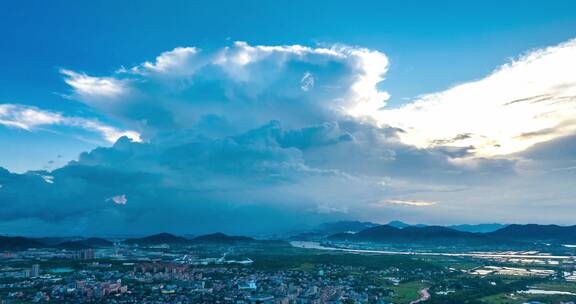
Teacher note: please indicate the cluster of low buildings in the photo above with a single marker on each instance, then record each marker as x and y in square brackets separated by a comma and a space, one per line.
[72, 292]
[218, 284]
[174, 281]
[512, 271]
[164, 275]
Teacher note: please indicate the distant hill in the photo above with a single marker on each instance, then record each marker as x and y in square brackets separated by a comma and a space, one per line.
[439, 235]
[68, 243]
[540, 233]
[221, 238]
[400, 224]
[72, 245]
[157, 239]
[482, 228]
[167, 238]
[19, 243]
[330, 228]
[345, 226]
[95, 242]
[85, 244]
[53, 241]
[414, 235]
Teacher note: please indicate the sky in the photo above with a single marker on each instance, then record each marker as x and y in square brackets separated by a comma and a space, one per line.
[263, 117]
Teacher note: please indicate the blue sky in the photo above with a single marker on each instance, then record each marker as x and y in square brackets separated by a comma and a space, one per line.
[351, 105]
[431, 46]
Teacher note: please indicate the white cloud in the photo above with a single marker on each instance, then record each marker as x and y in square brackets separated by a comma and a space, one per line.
[328, 209]
[307, 82]
[48, 178]
[178, 61]
[366, 97]
[109, 133]
[244, 85]
[118, 199]
[412, 203]
[90, 87]
[255, 169]
[26, 117]
[528, 101]
[30, 118]
[361, 95]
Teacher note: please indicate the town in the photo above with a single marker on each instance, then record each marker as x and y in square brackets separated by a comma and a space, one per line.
[249, 271]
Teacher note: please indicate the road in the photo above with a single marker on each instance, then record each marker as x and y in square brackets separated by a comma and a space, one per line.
[424, 296]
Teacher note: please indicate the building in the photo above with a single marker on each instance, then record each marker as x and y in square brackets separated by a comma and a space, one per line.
[249, 285]
[161, 267]
[35, 272]
[87, 254]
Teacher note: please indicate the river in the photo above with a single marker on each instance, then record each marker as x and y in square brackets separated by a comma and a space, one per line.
[316, 245]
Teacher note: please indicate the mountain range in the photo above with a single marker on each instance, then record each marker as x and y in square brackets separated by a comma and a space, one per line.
[221, 238]
[540, 233]
[483, 228]
[85, 244]
[78, 243]
[393, 233]
[439, 235]
[157, 239]
[19, 243]
[170, 239]
[432, 235]
[327, 229]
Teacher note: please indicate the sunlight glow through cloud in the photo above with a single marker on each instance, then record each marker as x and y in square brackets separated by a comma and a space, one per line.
[528, 101]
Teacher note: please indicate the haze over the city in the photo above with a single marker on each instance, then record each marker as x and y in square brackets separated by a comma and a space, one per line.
[265, 117]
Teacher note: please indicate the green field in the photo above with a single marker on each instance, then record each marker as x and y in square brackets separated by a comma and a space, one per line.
[516, 298]
[559, 286]
[519, 299]
[407, 292]
[504, 299]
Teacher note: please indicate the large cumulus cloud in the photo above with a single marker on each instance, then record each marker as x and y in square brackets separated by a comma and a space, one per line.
[274, 178]
[261, 139]
[237, 88]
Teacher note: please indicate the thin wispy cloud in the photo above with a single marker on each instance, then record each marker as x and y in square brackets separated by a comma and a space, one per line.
[411, 203]
[89, 88]
[31, 118]
[48, 178]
